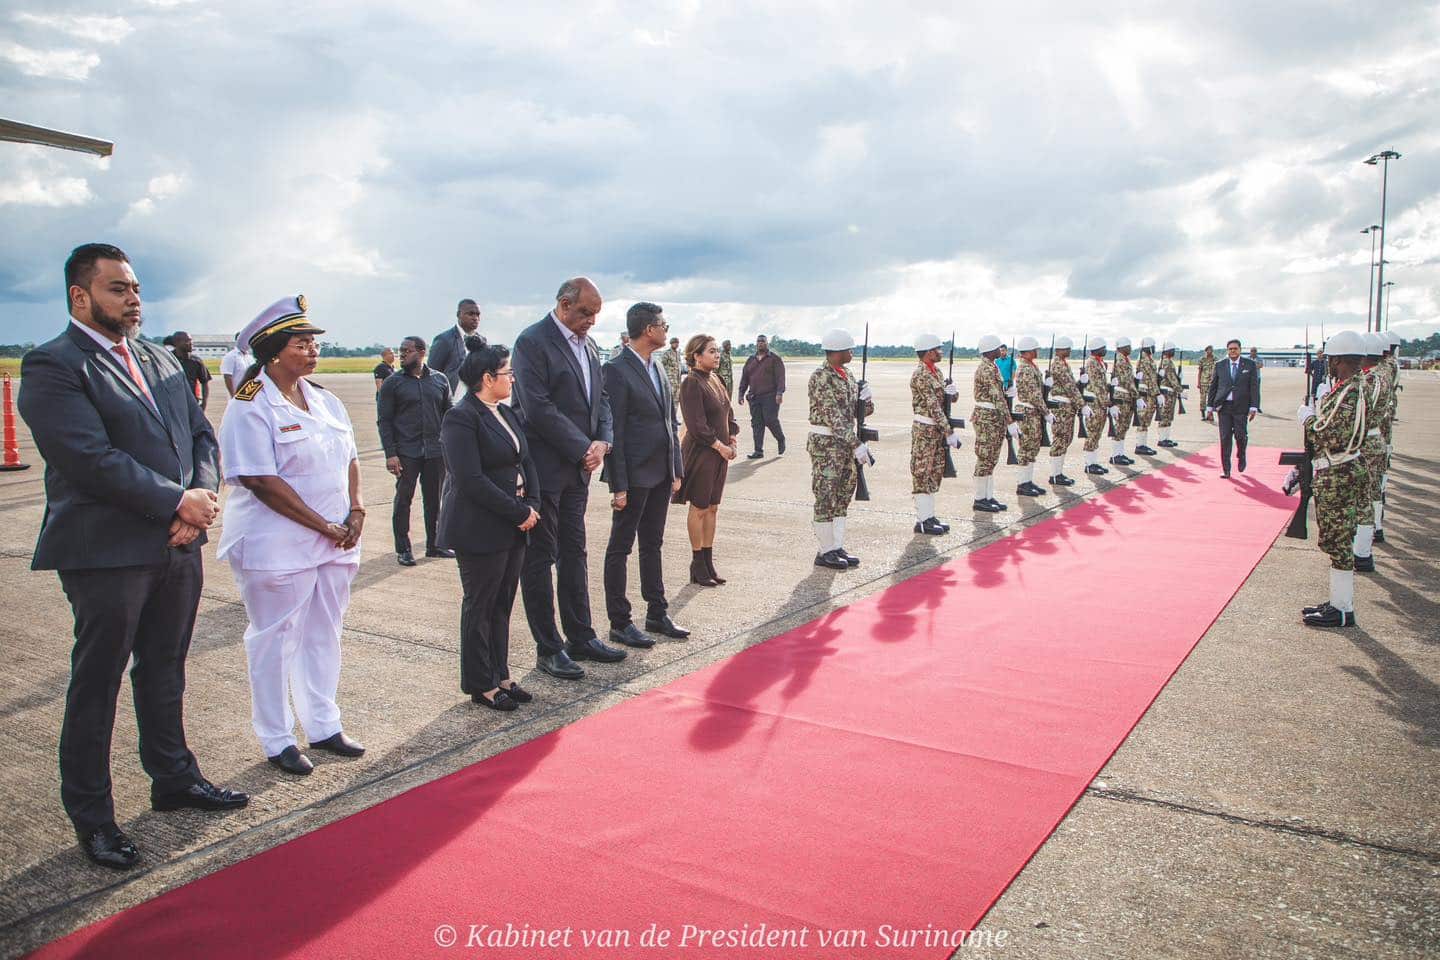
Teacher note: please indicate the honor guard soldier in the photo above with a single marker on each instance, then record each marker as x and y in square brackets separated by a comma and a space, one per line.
[930, 432]
[1064, 402]
[1147, 384]
[1334, 434]
[1095, 384]
[1391, 365]
[992, 420]
[1205, 375]
[1169, 396]
[1372, 450]
[673, 365]
[1033, 414]
[836, 451]
[1122, 400]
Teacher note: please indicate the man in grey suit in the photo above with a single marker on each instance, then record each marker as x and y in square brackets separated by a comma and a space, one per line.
[447, 350]
[1235, 394]
[131, 470]
[643, 470]
[560, 391]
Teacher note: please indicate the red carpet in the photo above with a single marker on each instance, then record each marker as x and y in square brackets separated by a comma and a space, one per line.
[890, 766]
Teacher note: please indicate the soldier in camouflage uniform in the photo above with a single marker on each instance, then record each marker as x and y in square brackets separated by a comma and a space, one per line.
[836, 452]
[1030, 408]
[726, 370]
[1122, 400]
[1335, 433]
[1206, 368]
[674, 366]
[1169, 397]
[1372, 451]
[1064, 403]
[991, 419]
[1147, 385]
[929, 433]
[1095, 384]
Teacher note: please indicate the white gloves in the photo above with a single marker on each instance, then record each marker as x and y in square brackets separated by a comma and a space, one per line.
[1050, 419]
[1049, 381]
[865, 393]
[1139, 376]
[1013, 429]
[1084, 378]
[1304, 413]
[1085, 411]
[1140, 404]
[1114, 411]
[951, 390]
[862, 454]
[1011, 391]
[952, 439]
[1114, 382]
[1321, 391]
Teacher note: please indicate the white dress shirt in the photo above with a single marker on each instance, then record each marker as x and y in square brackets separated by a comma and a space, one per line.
[577, 347]
[650, 368]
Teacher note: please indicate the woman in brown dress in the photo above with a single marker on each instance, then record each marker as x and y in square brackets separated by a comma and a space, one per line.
[708, 448]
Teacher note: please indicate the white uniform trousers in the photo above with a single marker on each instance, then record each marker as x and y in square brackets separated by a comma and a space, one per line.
[293, 646]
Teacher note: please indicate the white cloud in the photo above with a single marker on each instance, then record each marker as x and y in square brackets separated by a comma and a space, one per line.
[58, 64]
[37, 192]
[93, 29]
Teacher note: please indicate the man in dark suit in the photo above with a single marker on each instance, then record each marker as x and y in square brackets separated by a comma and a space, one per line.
[1235, 395]
[409, 409]
[560, 390]
[447, 350]
[131, 470]
[643, 470]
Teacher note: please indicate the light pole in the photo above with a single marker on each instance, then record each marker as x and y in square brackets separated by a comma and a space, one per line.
[1383, 158]
[1386, 294]
[1373, 230]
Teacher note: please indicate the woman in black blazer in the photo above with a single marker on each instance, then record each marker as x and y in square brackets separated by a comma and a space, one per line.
[490, 502]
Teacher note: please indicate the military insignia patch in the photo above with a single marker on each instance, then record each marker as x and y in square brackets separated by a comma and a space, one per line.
[290, 428]
[248, 390]
[300, 302]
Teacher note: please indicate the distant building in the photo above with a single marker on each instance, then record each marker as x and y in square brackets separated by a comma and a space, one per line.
[211, 345]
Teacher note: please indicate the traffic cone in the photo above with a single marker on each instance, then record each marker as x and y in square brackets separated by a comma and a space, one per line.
[12, 446]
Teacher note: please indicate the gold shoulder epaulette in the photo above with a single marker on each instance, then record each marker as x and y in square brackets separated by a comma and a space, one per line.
[248, 390]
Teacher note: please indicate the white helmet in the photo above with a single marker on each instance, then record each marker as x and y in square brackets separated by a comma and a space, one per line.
[1147, 342]
[1346, 343]
[989, 342]
[1375, 344]
[1096, 343]
[1062, 343]
[1121, 342]
[926, 341]
[1026, 343]
[1167, 346]
[837, 340]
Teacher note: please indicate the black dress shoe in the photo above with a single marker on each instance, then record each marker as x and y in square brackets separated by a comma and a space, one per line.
[755, 456]
[849, 560]
[593, 649]
[832, 560]
[933, 527]
[109, 847]
[780, 450]
[1365, 564]
[1379, 536]
[997, 507]
[517, 693]
[1120, 460]
[439, 553]
[1145, 451]
[1168, 443]
[987, 506]
[631, 636]
[1329, 617]
[1225, 474]
[666, 627]
[340, 744]
[502, 701]
[1060, 480]
[1240, 463]
[1318, 608]
[1095, 468]
[200, 795]
[1030, 490]
[560, 666]
[405, 558]
[292, 761]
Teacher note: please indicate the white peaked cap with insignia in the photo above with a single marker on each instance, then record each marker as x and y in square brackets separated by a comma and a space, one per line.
[837, 340]
[1147, 342]
[287, 315]
[926, 341]
[1121, 342]
[1375, 344]
[1025, 344]
[1346, 343]
[1062, 343]
[1167, 346]
[1096, 343]
[989, 342]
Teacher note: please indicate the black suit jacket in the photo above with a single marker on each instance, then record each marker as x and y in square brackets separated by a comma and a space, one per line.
[447, 352]
[560, 422]
[115, 467]
[646, 453]
[1246, 385]
[479, 511]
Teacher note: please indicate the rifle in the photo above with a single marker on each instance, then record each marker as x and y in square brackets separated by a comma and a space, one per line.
[1309, 378]
[1180, 376]
[1303, 478]
[1045, 393]
[948, 403]
[866, 434]
[1082, 434]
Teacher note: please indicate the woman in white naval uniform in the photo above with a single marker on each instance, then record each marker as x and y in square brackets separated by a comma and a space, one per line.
[291, 533]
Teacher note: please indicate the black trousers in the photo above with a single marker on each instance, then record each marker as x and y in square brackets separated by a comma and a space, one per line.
[1234, 427]
[148, 611]
[558, 541]
[428, 471]
[488, 581]
[765, 412]
[645, 511]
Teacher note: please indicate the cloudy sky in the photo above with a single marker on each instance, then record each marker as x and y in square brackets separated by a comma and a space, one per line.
[1183, 170]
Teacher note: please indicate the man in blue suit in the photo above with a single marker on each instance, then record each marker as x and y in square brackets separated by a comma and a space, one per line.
[131, 470]
[1235, 395]
[560, 390]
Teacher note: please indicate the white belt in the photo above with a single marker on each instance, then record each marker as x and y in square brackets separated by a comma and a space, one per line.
[1326, 462]
[1121, 390]
[1061, 399]
[982, 405]
[1021, 405]
[925, 420]
[1373, 432]
[820, 431]
[1167, 390]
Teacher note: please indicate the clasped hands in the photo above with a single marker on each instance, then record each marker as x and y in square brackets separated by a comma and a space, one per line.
[197, 511]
